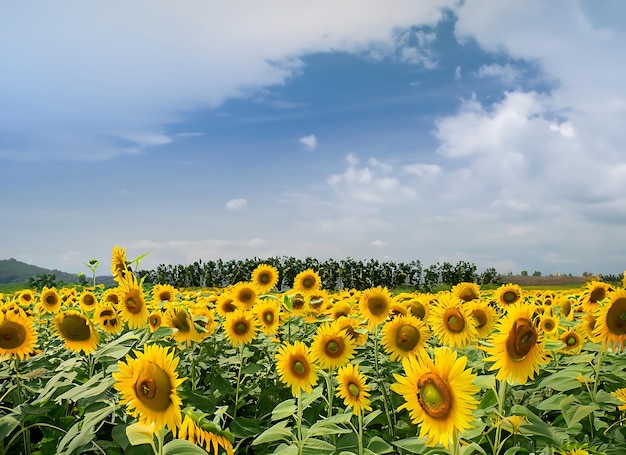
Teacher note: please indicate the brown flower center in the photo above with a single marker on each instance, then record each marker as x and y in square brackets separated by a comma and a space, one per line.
[241, 327]
[308, 283]
[598, 294]
[153, 388]
[407, 337]
[264, 278]
[434, 395]
[572, 340]
[12, 335]
[353, 389]
[522, 337]
[377, 305]
[268, 317]
[297, 302]
[51, 299]
[74, 327]
[89, 300]
[300, 367]
[616, 317]
[510, 297]
[334, 348]
[454, 320]
[481, 318]
[418, 310]
[133, 306]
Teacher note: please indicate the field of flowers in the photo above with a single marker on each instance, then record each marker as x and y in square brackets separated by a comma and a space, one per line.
[246, 369]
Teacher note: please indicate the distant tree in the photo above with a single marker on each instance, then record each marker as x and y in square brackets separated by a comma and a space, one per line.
[536, 273]
[524, 273]
[39, 281]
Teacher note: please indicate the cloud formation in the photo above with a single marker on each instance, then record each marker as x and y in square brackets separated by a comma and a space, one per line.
[309, 142]
[236, 204]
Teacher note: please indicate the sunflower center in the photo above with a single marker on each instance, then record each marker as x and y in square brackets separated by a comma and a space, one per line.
[181, 321]
[407, 337]
[132, 306]
[334, 348]
[299, 367]
[51, 299]
[454, 320]
[113, 298]
[246, 295]
[154, 321]
[597, 295]
[13, 335]
[468, 295]
[377, 305]
[268, 317]
[229, 307]
[481, 318]
[315, 303]
[27, 297]
[241, 327]
[418, 310]
[106, 313]
[297, 302]
[353, 389]
[153, 388]
[522, 337]
[265, 278]
[165, 295]
[434, 395]
[548, 325]
[616, 317]
[571, 340]
[308, 283]
[75, 328]
[510, 296]
[89, 300]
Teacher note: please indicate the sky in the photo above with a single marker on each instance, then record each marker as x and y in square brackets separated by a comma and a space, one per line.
[487, 131]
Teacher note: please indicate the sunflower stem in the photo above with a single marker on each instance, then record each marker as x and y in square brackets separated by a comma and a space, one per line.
[329, 386]
[381, 383]
[20, 397]
[501, 398]
[597, 374]
[299, 422]
[241, 348]
[160, 440]
[360, 435]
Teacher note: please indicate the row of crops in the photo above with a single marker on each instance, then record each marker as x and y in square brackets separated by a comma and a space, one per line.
[250, 369]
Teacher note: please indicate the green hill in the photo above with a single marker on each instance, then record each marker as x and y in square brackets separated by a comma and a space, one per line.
[14, 271]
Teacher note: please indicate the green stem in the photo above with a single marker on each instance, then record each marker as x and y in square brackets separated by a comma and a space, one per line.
[161, 439]
[241, 348]
[329, 386]
[360, 435]
[381, 383]
[597, 379]
[20, 398]
[501, 398]
[299, 422]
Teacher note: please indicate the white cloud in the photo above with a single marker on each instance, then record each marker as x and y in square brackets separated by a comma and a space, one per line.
[423, 170]
[379, 243]
[309, 142]
[457, 73]
[506, 73]
[236, 204]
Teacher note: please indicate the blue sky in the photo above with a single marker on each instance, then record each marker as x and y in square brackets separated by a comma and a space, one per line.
[485, 131]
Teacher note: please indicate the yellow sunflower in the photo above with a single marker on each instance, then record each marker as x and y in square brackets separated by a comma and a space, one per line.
[517, 348]
[77, 331]
[68, 296]
[17, 336]
[484, 317]
[439, 395]
[566, 307]
[610, 327]
[419, 307]
[240, 327]
[375, 305]
[49, 301]
[573, 340]
[196, 429]
[205, 319]
[467, 292]
[87, 300]
[225, 304]
[155, 320]
[621, 395]
[119, 264]
[295, 369]
[340, 308]
[317, 302]
[451, 321]
[111, 296]
[353, 388]
[298, 304]
[405, 336]
[306, 281]
[508, 294]
[26, 297]
[354, 329]
[265, 277]
[331, 347]
[132, 303]
[594, 293]
[267, 313]
[181, 320]
[549, 326]
[164, 293]
[107, 319]
[244, 295]
[148, 386]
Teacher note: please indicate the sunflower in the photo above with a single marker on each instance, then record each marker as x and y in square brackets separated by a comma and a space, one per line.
[397, 309]
[405, 336]
[306, 281]
[17, 336]
[468, 292]
[196, 429]
[317, 302]
[566, 307]
[375, 304]
[353, 388]
[620, 394]
[508, 294]
[155, 320]
[354, 329]
[419, 307]
[148, 385]
[68, 296]
[594, 293]
[573, 341]
[132, 303]
[26, 297]
[244, 295]
[610, 327]
[87, 300]
[265, 277]
[516, 348]
[181, 320]
[340, 308]
[438, 395]
[295, 368]
[298, 304]
[451, 321]
[111, 296]
[164, 293]
[240, 327]
[484, 317]
[119, 265]
[331, 347]
[267, 314]
[49, 301]
[225, 304]
[549, 326]
[204, 318]
[77, 331]
[107, 318]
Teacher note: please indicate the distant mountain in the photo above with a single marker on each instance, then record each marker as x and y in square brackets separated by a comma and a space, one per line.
[14, 271]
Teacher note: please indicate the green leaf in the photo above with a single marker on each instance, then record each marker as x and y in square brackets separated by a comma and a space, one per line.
[486, 382]
[140, 434]
[411, 445]
[323, 428]
[515, 450]
[309, 398]
[371, 416]
[8, 423]
[378, 445]
[285, 409]
[489, 399]
[318, 444]
[580, 412]
[278, 432]
[95, 386]
[552, 403]
[536, 428]
[562, 381]
[182, 447]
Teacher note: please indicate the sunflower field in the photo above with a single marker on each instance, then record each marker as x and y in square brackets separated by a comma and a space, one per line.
[247, 369]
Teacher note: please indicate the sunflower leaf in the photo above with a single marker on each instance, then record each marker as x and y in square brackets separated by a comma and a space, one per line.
[182, 447]
[283, 410]
[278, 432]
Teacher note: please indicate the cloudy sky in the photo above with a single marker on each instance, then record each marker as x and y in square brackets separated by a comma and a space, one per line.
[489, 131]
